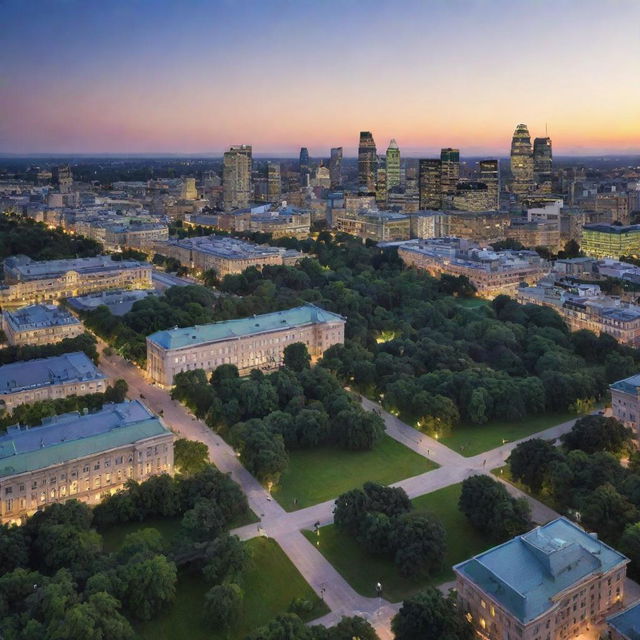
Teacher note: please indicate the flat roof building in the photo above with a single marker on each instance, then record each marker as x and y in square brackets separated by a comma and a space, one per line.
[84, 457]
[626, 624]
[60, 376]
[257, 342]
[40, 324]
[552, 582]
[610, 240]
[119, 302]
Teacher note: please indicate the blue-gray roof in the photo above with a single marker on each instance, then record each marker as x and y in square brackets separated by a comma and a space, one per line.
[229, 329]
[71, 436]
[524, 573]
[39, 316]
[628, 385]
[119, 301]
[43, 372]
[627, 622]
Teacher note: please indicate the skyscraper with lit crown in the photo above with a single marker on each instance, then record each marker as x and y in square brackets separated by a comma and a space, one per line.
[393, 165]
[521, 160]
[367, 162]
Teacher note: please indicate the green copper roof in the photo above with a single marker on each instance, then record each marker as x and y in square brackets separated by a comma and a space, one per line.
[229, 329]
[525, 573]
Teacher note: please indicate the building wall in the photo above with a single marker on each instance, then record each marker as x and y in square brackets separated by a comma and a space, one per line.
[40, 335]
[626, 408]
[260, 351]
[86, 479]
[600, 244]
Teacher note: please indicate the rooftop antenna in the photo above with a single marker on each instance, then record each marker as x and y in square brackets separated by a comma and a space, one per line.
[546, 134]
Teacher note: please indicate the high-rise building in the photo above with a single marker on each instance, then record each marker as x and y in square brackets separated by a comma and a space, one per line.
[367, 162]
[305, 169]
[521, 160]
[381, 186]
[450, 162]
[429, 183]
[489, 171]
[188, 190]
[236, 177]
[542, 160]
[393, 165]
[335, 167]
[62, 178]
[274, 184]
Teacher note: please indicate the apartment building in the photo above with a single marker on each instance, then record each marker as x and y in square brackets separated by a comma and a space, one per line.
[552, 583]
[625, 401]
[379, 226]
[84, 457]
[40, 324]
[30, 381]
[27, 281]
[257, 342]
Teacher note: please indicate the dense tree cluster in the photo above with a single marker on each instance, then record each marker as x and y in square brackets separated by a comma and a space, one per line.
[190, 456]
[381, 520]
[290, 627]
[83, 342]
[264, 416]
[492, 510]
[36, 240]
[33, 414]
[56, 582]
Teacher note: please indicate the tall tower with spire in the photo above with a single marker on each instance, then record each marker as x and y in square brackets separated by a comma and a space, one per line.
[521, 160]
[393, 165]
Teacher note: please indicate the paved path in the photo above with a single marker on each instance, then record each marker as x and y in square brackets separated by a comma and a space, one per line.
[285, 527]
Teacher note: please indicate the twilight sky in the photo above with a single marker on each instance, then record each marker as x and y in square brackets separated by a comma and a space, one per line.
[194, 76]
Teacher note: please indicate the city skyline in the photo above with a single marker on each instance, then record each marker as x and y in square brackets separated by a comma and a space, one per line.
[154, 78]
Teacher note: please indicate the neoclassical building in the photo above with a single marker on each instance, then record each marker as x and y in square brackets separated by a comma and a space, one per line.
[85, 457]
[40, 324]
[257, 342]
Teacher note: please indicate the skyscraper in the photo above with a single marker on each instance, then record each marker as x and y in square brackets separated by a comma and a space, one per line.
[489, 171]
[236, 177]
[521, 160]
[393, 165]
[62, 178]
[335, 167]
[450, 160]
[542, 160]
[304, 169]
[381, 186]
[429, 183]
[367, 162]
[274, 185]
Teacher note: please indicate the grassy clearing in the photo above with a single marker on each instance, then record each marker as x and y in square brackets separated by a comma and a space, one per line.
[362, 571]
[320, 474]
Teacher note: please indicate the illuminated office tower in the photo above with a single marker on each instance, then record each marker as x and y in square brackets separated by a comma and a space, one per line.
[521, 160]
[542, 160]
[236, 177]
[393, 165]
[335, 167]
[429, 183]
[381, 186]
[274, 185]
[367, 162]
[305, 170]
[62, 178]
[450, 162]
[490, 175]
[188, 189]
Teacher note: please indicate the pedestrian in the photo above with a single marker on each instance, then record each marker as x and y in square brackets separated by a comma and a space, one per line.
[484, 464]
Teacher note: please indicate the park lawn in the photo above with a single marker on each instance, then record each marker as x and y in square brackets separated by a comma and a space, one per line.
[362, 571]
[472, 439]
[323, 473]
[472, 303]
[269, 585]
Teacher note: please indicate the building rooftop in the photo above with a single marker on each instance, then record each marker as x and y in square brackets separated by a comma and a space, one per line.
[612, 228]
[39, 316]
[119, 301]
[525, 573]
[226, 247]
[627, 622]
[43, 372]
[229, 329]
[628, 385]
[72, 436]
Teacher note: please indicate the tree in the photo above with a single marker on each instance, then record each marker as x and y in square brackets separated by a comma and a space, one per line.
[630, 545]
[419, 541]
[530, 460]
[190, 456]
[352, 627]
[358, 430]
[430, 616]
[608, 512]
[227, 558]
[296, 356]
[261, 451]
[284, 627]
[222, 605]
[14, 550]
[204, 521]
[597, 433]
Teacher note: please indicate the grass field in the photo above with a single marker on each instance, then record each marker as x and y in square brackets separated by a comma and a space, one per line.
[269, 586]
[323, 473]
[472, 439]
[472, 303]
[362, 571]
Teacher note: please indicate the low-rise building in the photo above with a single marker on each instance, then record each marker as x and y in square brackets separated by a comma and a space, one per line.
[537, 233]
[28, 381]
[118, 302]
[626, 624]
[257, 342]
[610, 240]
[549, 584]
[625, 401]
[380, 226]
[28, 281]
[479, 226]
[82, 457]
[491, 272]
[40, 324]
